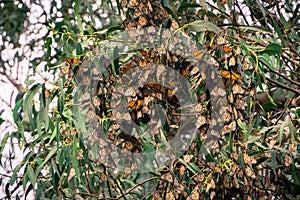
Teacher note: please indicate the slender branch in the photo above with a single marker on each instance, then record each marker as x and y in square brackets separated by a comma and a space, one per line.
[137, 185]
[244, 17]
[9, 176]
[19, 87]
[122, 194]
[283, 76]
[283, 86]
[214, 7]
[146, 195]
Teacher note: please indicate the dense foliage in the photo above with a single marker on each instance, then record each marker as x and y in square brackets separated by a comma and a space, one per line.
[255, 48]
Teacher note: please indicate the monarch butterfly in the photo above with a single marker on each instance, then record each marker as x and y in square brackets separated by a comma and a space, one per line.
[133, 3]
[230, 75]
[198, 54]
[227, 50]
[72, 61]
[167, 92]
[154, 86]
[135, 104]
[125, 68]
[65, 69]
[143, 63]
[147, 54]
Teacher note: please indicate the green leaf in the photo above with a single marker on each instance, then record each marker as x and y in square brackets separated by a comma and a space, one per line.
[74, 159]
[252, 139]
[272, 49]
[30, 174]
[61, 98]
[48, 44]
[77, 15]
[191, 166]
[55, 132]
[113, 28]
[28, 105]
[255, 29]
[78, 49]
[170, 11]
[241, 124]
[115, 66]
[50, 154]
[278, 31]
[266, 60]
[15, 173]
[3, 142]
[184, 6]
[173, 14]
[296, 175]
[261, 145]
[201, 26]
[38, 121]
[1, 120]
[272, 165]
[269, 105]
[61, 101]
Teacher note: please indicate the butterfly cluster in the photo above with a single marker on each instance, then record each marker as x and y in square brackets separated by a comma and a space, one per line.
[143, 13]
[231, 66]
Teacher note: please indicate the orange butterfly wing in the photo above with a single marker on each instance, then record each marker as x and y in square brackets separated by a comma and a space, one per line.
[230, 75]
[72, 61]
[227, 49]
[135, 104]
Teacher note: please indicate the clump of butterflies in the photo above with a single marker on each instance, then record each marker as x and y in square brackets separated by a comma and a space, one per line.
[145, 96]
[139, 102]
[239, 88]
[147, 13]
[228, 59]
[143, 13]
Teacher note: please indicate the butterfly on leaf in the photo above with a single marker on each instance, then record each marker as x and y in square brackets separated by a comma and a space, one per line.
[230, 75]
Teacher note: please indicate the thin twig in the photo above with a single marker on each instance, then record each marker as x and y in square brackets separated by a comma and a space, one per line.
[19, 87]
[137, 185]
[9, 176]
[122, 194]
[214, 7]
[241, 12]
[283, 86]
[282, 76]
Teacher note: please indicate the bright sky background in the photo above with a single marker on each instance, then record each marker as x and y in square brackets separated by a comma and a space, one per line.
[20, 72]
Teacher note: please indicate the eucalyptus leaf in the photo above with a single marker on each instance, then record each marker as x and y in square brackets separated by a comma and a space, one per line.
[201, 26]
[30, 174]
[272, 49]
